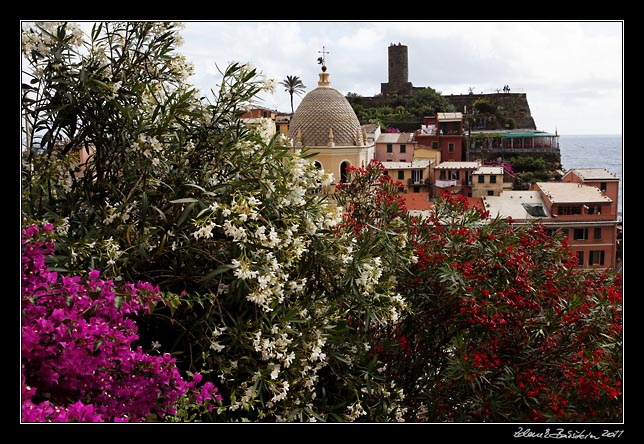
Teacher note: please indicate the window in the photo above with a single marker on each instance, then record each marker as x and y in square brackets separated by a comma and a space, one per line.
[564, 232]
[435, 145]
[490, 192]
[390, 148]
[401, 174]
[580, 234]
[492, 179]
[417, 176]
[569, 210]
[481, 178]
[597, 233]
[596, 257]
[450, 147]
[580, 258]
[442, 175]
[602, 187]
[403, 148]
[416, 189]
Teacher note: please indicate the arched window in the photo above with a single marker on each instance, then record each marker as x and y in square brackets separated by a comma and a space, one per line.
[343, 170]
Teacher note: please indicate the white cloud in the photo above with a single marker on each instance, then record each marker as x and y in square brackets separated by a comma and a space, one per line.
[572, 72]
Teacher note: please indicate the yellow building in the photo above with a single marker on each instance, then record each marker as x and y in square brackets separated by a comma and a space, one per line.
[423, 152]
[487, 181]
[415, 176]
[326, 124]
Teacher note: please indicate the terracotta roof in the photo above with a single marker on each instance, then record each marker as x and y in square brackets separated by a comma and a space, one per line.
[593, 174]
[454, 165]
[418, 205]
[488, 170]
[414, 164]
[396, 138]
[567, 192]
[417, 201]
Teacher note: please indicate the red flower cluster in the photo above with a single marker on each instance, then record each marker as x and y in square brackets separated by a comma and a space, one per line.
[503, 326]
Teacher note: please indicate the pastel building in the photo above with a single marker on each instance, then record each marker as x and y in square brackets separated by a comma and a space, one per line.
[395, 147]
[454, 178]
[279, 119]
[443, 132]
[415, 176]
[582, 213]
[487, 181]
[606, 181]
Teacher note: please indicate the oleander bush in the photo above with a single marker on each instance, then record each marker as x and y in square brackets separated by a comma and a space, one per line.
[294, 305]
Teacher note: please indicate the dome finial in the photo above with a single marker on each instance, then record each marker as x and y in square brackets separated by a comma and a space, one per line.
[324, 76]
[322, 60]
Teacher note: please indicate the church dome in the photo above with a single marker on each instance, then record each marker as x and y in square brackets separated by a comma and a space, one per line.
[325, 118]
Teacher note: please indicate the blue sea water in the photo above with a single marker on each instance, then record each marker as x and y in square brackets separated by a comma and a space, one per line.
[594, 151]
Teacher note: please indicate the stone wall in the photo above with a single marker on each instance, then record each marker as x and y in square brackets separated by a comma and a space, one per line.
[515, 104]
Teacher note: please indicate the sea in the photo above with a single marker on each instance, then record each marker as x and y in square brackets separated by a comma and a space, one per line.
[595, 151]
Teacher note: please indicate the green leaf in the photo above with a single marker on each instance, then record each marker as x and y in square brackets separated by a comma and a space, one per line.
[210, 276]
[185, 200]
[185, 214]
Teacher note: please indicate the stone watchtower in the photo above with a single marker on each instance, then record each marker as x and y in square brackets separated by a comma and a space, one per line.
[399, 83]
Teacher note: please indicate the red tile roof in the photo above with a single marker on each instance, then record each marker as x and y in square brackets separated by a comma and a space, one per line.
[419, 201]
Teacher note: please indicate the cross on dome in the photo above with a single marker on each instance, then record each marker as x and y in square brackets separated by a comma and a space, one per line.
[322, 60]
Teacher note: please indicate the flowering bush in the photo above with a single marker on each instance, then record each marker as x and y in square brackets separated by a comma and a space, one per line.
[260, 294]
[78, 360]
[295, 312]
[502, 325]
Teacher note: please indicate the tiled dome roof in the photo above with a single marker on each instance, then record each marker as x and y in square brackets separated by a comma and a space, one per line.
[321, 109]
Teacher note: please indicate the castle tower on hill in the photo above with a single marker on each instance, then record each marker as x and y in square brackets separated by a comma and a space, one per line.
[399, 83]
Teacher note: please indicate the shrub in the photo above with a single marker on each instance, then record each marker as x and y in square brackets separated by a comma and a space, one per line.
[79, 362]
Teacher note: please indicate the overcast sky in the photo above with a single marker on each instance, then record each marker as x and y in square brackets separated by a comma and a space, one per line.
[572, 72]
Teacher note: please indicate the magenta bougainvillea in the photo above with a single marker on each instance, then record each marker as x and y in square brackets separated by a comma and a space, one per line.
[79, 363]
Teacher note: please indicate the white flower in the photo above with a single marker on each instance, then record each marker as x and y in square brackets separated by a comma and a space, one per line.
[317, 354]
[237, 233]
[269, 86]
[216, 346]
[253, 201]
[282, 395]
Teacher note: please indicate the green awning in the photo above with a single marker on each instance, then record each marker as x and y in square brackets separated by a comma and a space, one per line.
[516, 135]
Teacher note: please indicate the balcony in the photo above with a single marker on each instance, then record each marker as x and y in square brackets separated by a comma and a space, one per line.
[446, 183]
